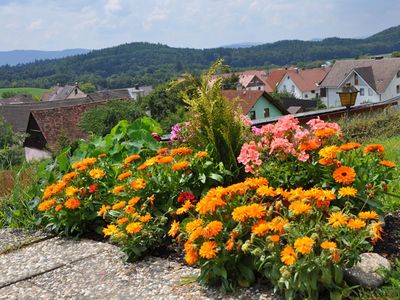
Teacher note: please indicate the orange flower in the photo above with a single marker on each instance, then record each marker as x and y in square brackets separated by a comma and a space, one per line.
[277, 224]
[180, 166]
[131, 158]
[162, 150]
[328, 245]
[124, 175]
[309, 145]
[201, 154]
[174, 229]
[374, 148]
[58, 208]
[368, 215]
[134, 201]
[348, 191]
[274, 238]
[138, 184]
[208, 204]
[266, 191]
[387, 163]
[288, 256]
[102, 155]
[329, 162]
[212, 229]
[166, 160]
[299, 207]
[72, 203]
[103, 210]
[71, 175]
[70, 191]
[45, 205]
[329, 152]
[121, 221]
[208, 250]
[193, 225]
[110, 230]
[145, 218]
[129, 209]
[118, 189]
[349, 146]
[230, 244]
[185, 208]
[191, 253]
[261, 228]
[151, 199]
[325, 132]
[337, 219]
[181, 151]
[119, 205]
[242, 213]
[134, 227]
[376, 230]
[96, 173]
[356, 224]
[345, 175]
[304, 245]
[335, 256]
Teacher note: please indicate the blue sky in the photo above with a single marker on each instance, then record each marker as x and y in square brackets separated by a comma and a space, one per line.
[94, 24]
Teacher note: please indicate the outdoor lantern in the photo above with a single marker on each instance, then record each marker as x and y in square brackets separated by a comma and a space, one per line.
[348, 96]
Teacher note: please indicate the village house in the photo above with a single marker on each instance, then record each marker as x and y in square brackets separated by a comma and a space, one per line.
[256, 104]
[377, 80]
[302, 83]
[63, 93]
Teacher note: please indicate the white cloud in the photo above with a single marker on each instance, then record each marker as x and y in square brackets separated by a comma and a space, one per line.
[157, 15]
[35, 25]
[112, 6]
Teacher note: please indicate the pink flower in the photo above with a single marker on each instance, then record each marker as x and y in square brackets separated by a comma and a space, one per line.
[317, 123]
[248, 153]
[281, 144]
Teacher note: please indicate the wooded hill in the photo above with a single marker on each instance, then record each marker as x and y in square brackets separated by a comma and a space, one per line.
[150, 64]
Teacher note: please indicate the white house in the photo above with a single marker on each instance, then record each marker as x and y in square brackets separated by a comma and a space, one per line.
[302, 83]
[376, 80]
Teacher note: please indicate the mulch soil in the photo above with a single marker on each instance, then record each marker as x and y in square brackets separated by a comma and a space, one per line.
[389, 247]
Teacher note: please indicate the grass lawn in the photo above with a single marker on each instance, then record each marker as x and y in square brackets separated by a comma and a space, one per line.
[24, 90]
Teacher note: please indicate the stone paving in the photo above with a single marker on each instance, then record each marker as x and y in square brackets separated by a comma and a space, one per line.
[41, 266]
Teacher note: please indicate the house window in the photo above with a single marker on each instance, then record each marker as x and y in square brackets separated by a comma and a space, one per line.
[398, 89]
[362, 93]
[398, 74]
[293, 89]
[259, 88]
[355, 79]
[370, 93]
[306, 96]
[252, 115]
[284, 88]
[266, 112]
[313, 92]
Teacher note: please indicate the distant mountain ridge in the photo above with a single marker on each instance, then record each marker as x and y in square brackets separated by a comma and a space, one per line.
[150, 64]
[241, 45]
[15, 57]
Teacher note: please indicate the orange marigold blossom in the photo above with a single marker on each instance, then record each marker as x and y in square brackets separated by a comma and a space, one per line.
[329, 162]
[134, 227]
[325, 132]
[309, 145]
[45, 205]
[299, 207]
[72, 203]
[71, 175]
[122, 220]
[274, 238]
[173, 231]
[288, 256]
[166, 160]
[212, 229]
[261, 228]
[151, 199]
[102, 155]
[162, 150]
[304, 245]
[138, 184]
[255, 183]
[131, 158]
[180, 165]
[119, 205]
[266, 191]
[242, 213]
[344, 175]
[197, 233]
[185, 208]
[118, 189]
[110, 230]
[145, 218]
[193, 225]
[376, 231]
[349, 146]
[328, 245]
[335, 256]
[277, 224]
[348, 191]
[368, 215]
[124, 175]
[53, 189]
[181, 151]
[97, 173]
[201, 154]
[329, 152]
[58, 207]
[208, 250]
[230, 244]
[70, 191]
[387, 163]
[133, 201]
[209, 204]
[191, 253]
[129, 209]
[374, 148]
[104, 208]
[337, 219]
[356, 224]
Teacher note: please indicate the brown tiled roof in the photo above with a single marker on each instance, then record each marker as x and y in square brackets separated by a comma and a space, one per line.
[383, 72]
[274, 77]
[307, 79]
[53, 122]
[17, 100]
[60, 93]
[110, 95]
[247, 99]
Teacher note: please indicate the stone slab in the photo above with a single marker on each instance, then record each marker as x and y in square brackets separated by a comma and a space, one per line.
[12, 239]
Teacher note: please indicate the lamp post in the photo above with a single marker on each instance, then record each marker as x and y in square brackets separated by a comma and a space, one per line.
[348, 97]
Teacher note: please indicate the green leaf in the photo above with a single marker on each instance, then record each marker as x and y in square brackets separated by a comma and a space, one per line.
[216, 177]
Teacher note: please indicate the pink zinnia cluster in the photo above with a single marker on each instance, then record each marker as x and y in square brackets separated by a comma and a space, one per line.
[281, 140]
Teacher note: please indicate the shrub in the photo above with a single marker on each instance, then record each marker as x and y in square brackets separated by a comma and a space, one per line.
[11, 150]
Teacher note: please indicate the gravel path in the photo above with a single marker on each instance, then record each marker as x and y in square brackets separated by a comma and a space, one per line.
[38, 266]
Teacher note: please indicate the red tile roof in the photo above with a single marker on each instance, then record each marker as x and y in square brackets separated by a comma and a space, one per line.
[307, 79]
[274, 77]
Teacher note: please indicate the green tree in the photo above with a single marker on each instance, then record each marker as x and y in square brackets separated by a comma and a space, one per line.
[11, 150]
[101, 119]
[87, 87]
[230, 83]
[8, 94]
